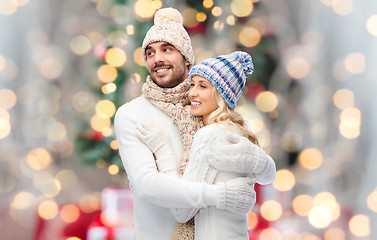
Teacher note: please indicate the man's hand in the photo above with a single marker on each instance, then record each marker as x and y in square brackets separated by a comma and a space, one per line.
[237, 195]
[155, 138]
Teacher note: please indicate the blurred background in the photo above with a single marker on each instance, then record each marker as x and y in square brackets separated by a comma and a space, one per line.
[66, 66]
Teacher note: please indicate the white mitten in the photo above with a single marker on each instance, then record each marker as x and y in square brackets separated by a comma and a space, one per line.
[158, 141]
[238, 155]
[237, 195]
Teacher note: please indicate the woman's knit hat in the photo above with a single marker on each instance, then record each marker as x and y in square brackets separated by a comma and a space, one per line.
[168, 28]
[227, 73]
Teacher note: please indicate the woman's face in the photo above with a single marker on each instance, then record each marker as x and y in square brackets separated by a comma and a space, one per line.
[200, 95]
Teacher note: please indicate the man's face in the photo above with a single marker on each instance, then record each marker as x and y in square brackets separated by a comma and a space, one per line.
[166, 65]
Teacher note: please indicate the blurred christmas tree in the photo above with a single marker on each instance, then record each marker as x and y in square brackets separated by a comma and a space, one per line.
[215, 28]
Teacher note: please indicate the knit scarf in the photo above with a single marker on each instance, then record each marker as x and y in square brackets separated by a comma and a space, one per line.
[175, 103]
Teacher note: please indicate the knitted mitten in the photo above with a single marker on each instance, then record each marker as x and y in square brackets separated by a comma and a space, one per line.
[183, 231]
[239, 155]
[237, 195]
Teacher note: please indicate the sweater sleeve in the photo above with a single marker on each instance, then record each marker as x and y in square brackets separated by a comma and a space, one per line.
[147, 183]
[197, 170]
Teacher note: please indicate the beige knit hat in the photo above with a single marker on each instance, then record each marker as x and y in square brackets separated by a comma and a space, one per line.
[168, 28]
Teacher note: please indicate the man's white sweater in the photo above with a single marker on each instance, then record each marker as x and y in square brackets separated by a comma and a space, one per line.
[155, 192]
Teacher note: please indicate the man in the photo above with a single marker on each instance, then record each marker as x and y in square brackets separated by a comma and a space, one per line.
[168, 56]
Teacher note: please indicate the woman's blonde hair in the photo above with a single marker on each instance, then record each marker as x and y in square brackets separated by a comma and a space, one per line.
[225, 115]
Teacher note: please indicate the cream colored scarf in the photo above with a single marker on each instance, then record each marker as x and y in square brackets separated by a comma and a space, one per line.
[175, 102]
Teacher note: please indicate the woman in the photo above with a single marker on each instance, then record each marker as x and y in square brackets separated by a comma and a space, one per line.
[216, 85]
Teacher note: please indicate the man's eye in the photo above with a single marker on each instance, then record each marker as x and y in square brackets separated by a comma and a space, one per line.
[167, 49]
[149, 53]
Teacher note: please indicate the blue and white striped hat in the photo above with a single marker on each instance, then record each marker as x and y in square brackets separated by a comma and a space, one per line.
[227, 73]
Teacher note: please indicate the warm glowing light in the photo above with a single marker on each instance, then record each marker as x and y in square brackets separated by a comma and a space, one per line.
[322, 197]
[59, 132]
[327, 2]
[266, 101]
[83, 101]
[231, 20]
[217, 11]
[342, 7]
[105, 108]
[38, 158]
[107, 73]
[138, 57]
[372, 25]
[207, 3]
[2, 63]
[355, 63]
[51, 68]
[109, 88]
[113, 169]
[130, 30]
[311, 158]
[104, 7]
[69, 213]
[350, 122]
[73, 238]
[218, 25]
[115, 57]
[201, 16]
[22, 2]
[249, 37]
[4, 114]
[302, 204]
[343, 98]
[335, 234]
[252, 220]
[23, 200]
[360, 225]
[241, 8]
[298, 68]
[100, 163]
[319, 217]
[189, 16]
[114, 144]
[8, 7]
[106, 132]
[271, 210]
[144, 9]
[80, 45]
[372, 201]
[270, 233]
[5, 128]
[284, 180]
[7, 98]
[98, 123]
[48, 209]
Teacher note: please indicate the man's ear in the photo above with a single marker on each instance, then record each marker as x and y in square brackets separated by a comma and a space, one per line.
[188, 65]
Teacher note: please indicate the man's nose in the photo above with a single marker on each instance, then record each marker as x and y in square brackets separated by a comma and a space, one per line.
[158, 56]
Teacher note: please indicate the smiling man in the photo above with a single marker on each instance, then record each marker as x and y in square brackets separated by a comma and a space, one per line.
[168, 56]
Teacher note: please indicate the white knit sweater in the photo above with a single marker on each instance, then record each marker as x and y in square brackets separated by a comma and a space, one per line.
[155, 192]
[213, 223]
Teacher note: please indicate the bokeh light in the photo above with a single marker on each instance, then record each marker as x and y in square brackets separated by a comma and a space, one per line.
[51, 68]
[105, 108]
[372, 201]
[350, 122]
[98, 123]
[109, 88]
[39, 158]
[343, 98]
[23, 200]
[310, 158]
[334, 234]
[8, 7]
[207, 3]
[270, 233]
[201, 16]
[7, 98]
[271, 210]
[217, 11]
[114, 144]
[241, 8]
[319, 217]
[298, 68]
[355, 63]
[284, 180]
[68, 179]
[359, 225]
[115, 57]
[138, 57]
[249, 36]
[372, 25]
[107, 73]
[252, 220]
[90, 202]
[144, 9]
[342, 7]
[266, 101]
[113, 169]
[302, 204]
[48, 209]
[69, 213]
[80, 45]
[189, 16]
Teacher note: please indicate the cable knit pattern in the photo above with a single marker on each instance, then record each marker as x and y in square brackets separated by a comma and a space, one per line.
[175, 103]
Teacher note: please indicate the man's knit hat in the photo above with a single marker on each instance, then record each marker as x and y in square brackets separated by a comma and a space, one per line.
[227, 73]
[168, 28]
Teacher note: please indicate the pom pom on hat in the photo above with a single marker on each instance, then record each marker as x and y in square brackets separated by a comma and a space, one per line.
[168, 28]
[227, 73]
[167, 14]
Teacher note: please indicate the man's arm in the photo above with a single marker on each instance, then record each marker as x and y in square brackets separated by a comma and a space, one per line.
[147, 183]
